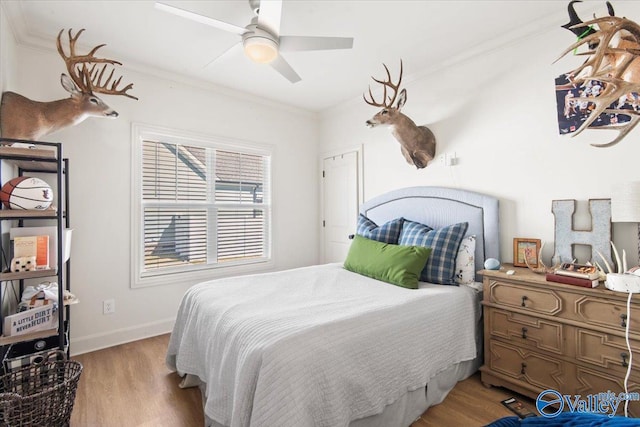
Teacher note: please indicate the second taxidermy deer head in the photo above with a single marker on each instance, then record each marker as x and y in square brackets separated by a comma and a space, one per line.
[22, 118]
[417, 143]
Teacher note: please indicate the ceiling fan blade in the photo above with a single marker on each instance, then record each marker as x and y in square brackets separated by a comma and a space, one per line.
[283, 67]
[269, 16]
[296, 43]
[221, 25]
[223, 53]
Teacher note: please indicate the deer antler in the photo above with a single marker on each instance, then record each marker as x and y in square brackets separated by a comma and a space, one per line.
[89, 80]
[543, 269]
[387, 103]
[617, 66]
[94, 76]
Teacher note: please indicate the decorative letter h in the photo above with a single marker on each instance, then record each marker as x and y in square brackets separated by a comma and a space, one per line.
[598, 237]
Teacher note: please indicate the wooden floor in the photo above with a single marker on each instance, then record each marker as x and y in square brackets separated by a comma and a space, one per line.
[130, 386]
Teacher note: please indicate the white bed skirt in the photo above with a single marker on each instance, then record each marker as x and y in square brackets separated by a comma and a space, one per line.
[409, 407]
[404, 411]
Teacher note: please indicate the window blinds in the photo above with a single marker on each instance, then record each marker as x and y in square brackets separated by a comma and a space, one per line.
[203, 206]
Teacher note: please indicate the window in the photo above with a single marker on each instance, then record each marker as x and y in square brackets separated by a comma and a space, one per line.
[201, 205]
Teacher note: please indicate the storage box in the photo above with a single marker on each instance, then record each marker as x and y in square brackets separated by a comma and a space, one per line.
[26, 353]
[32, 246]
[33, 320]
[52, 232]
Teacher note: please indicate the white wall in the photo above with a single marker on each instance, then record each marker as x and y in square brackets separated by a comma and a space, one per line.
[99, 151]
[7, 72]
[7, 61]
[497, 112]
[7, 52]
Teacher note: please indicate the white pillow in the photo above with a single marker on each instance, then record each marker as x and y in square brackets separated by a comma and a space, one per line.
[465, 261]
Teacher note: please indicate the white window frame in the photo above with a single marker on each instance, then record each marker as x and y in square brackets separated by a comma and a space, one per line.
[192, 274]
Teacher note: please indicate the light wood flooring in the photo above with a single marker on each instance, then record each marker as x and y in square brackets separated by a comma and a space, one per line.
[130, 386]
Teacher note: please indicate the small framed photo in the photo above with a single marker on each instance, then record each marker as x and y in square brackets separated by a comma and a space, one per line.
[525, 249]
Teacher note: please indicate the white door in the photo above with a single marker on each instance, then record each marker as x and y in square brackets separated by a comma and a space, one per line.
[340, 207]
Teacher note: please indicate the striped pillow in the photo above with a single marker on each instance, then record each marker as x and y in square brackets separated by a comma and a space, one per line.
[444, 244]
[386, 233]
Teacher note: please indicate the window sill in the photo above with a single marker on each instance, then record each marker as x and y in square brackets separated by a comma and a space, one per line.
[196, 276]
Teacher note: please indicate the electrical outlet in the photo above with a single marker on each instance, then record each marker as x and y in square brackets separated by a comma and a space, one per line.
[450, 159]
[108, 306]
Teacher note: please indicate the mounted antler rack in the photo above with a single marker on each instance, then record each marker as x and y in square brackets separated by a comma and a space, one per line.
[89, 80]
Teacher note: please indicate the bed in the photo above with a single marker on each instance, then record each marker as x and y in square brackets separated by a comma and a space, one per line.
[323, 346]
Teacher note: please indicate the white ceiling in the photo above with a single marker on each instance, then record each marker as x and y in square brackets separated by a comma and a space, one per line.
[425, 34]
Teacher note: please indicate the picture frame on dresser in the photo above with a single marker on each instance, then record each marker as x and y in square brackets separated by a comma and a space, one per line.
[528, 248]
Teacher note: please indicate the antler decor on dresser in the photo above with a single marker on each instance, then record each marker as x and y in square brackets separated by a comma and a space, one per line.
[613, 59]
[418, 144]
[541, 268]
[22, 118]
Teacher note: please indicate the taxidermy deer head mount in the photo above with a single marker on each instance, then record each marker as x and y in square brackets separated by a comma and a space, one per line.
[614, 59]
[417, 143]
[22, 118]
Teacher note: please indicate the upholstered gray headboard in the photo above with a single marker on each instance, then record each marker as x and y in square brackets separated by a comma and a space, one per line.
[438, 207]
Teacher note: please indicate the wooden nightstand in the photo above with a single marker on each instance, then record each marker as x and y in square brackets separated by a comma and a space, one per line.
[541, 335]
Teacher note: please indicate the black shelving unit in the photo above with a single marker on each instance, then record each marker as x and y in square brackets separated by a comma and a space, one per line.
[43, 158]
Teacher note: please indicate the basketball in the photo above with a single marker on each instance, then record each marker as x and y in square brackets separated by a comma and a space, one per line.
[26, 193]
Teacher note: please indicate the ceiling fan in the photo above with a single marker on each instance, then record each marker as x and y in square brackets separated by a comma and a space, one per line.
[261, 38]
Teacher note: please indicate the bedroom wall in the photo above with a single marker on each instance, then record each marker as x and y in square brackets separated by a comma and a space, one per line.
[7, 52]
[496, 111]
[99, 151]
[7, 61]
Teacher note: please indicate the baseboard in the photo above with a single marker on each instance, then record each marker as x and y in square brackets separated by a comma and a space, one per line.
[89, 343]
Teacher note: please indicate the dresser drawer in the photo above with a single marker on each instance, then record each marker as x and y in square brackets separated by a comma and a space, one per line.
[570, 304]
[592, 382]
[610, 314]
[606, 351]
[536, 300]
[526, 330]
[540, 370]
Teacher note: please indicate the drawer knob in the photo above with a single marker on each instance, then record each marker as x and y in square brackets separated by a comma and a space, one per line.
[522, 368]
[524, 333]
[623, 317]
[524, 298]
[624, 359]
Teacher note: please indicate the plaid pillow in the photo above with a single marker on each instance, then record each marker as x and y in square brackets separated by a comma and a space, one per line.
[444, 244]
[386, 233]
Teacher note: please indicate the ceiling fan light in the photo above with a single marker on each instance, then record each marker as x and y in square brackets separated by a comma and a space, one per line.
[260, 49]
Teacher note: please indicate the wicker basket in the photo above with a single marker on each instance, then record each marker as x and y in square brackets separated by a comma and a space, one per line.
[40, 395]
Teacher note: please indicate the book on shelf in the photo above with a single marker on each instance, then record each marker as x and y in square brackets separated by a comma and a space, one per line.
[582, 271]
[571, 280]
[37, 246]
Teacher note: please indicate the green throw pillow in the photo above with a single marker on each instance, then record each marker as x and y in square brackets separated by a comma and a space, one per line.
[399, 265]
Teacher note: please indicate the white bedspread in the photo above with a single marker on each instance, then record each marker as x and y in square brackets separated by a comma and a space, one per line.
[316, 346]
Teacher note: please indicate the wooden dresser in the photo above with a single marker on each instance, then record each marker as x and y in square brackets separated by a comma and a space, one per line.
[541, 335]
